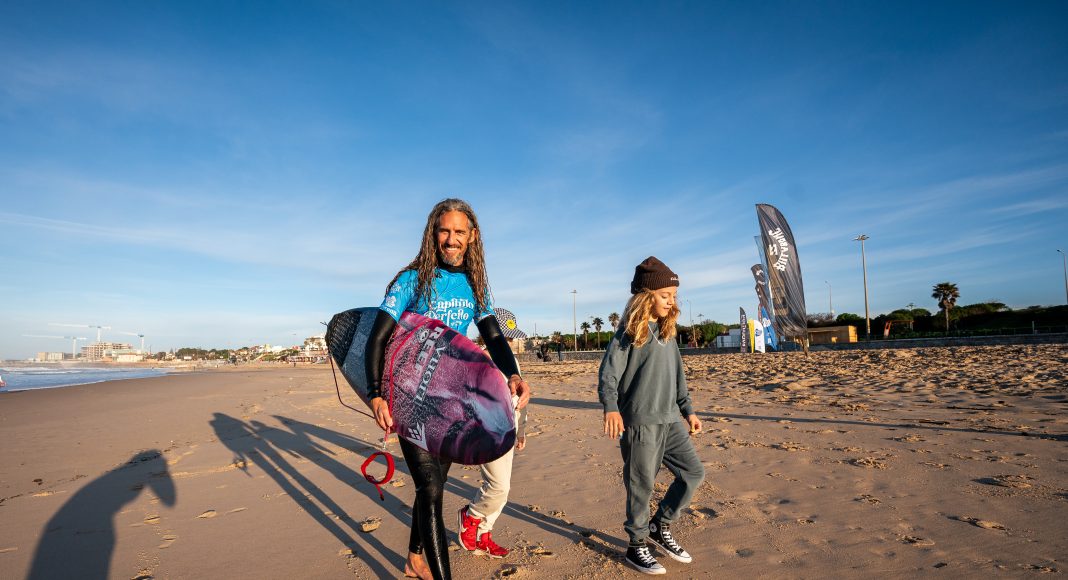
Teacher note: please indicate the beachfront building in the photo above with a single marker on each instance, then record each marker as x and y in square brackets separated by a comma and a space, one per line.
[53, 356]
[733, 339]
[106, 350]
[832, 334]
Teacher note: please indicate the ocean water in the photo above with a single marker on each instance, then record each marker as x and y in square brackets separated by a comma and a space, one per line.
[47, 377]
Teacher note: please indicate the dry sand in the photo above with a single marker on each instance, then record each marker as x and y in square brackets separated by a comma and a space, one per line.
[950, 462]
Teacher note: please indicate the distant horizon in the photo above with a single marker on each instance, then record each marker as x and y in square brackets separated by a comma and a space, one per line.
[607, 328]
[188, 173]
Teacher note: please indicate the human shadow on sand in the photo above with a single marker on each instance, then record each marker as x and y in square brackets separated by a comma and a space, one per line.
[566, 404]
[78, 541]
[271, 450]
[561, 526]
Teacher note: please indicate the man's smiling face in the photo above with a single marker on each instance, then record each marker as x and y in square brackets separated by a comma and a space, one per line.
[454, 233]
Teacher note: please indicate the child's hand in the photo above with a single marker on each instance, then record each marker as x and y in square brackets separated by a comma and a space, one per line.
[520, 443]
[695, 424]
[613, 424]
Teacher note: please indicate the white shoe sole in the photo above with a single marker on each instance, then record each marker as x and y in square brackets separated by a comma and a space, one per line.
[669, 553]
[655, 572]
[460, 530]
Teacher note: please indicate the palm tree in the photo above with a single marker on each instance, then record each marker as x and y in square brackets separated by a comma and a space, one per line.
[585, 326]
[597, 324]
[613, 319]
[946, 293]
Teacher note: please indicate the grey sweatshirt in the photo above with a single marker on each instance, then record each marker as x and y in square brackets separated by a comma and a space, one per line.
[646, 385]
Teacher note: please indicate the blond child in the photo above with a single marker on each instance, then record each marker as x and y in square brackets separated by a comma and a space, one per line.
[642, 387]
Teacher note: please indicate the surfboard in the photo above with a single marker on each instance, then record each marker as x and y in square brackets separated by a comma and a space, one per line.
[448, 396]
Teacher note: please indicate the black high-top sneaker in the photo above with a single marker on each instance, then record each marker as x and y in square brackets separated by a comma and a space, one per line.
[643, 561]
[660, 534]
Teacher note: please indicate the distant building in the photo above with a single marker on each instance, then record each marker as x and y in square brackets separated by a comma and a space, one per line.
[315, 345]
[53, 356]
[832, 334]
[733, 339]
[106, 350]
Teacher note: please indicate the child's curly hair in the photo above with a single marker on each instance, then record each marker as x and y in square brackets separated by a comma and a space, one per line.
[636, 317]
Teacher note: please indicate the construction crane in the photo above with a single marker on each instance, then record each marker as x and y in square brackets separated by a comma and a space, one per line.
[96, 326]
[139, 335]
[73, 341]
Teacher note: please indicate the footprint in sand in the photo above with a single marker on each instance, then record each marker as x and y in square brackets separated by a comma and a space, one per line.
[869, 499]
[167, 541]
[152, 519]
[916, 541]
[985, 524]
[869, 462]
[370, 524]
[206, 515]
[1014, 481]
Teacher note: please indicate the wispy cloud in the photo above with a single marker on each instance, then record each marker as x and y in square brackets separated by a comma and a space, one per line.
[1033, 206]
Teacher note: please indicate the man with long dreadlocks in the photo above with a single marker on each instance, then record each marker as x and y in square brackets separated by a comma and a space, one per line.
[447, 281]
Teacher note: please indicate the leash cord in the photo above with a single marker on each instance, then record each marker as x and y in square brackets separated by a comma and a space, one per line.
[390, 467]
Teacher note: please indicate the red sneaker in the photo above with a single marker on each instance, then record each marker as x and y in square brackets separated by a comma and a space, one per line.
[487, 546]
[468, 529]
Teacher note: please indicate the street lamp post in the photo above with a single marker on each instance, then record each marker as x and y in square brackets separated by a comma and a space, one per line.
[574, 315]
[830, 301]
[1064, 264]
[864, 265]
[693, 335]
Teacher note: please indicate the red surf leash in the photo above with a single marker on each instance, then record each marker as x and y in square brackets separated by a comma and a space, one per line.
[385, 438]
[390, 467]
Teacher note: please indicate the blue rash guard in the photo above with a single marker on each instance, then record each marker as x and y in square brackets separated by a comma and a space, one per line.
[453, 300]
[453, 303]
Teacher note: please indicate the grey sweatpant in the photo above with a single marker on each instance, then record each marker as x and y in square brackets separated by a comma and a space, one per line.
[644, 448]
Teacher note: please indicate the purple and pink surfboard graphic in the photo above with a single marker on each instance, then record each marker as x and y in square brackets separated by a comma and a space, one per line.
[448, 397]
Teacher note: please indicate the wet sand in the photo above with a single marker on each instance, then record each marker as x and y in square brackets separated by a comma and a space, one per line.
[951, 461]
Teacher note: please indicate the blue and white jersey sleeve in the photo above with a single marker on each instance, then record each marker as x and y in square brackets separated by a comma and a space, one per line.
[401, 295]
[488, 310]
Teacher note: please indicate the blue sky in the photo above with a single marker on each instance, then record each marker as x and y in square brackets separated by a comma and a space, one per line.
[218, 174]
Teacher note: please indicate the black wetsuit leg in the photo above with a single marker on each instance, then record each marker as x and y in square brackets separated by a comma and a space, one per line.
[428, 525]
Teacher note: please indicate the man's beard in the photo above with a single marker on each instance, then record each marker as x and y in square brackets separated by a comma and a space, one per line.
[451, 261]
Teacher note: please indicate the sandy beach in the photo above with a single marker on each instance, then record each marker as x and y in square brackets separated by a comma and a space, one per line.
[950, 462]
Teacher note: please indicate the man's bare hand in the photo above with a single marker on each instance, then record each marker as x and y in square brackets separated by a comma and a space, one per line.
[380, 409]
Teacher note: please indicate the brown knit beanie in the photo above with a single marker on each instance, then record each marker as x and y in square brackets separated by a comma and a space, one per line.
[652, 274]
